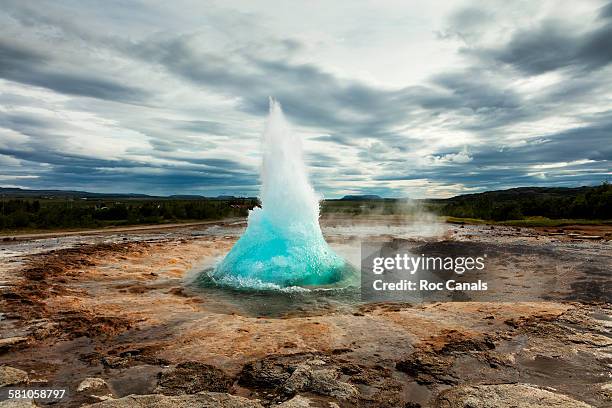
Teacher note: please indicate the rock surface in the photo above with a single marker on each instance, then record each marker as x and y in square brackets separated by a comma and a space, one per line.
[12, 376]
[92, 384]
[10, 342]
[323, 381]
[17, 404]
[294, 374]
[192, 377]
[200, 400]
[296, 402]
[122, 303]
[504, 396]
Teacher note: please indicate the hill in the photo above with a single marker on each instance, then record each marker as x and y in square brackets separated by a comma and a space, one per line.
[10, 192]
[361, 197]
[588, 202]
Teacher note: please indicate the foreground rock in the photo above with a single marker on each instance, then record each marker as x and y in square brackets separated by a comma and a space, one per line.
[12, 376]
[504, 396]
[298, 373]
[92, 384]
[192, 377]
[8, 343]
[313, 377]
[17, 404]
[296, 402]
[200, 400]
[96, 388]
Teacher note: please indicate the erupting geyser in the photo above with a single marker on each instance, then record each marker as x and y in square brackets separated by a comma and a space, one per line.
[283, 244]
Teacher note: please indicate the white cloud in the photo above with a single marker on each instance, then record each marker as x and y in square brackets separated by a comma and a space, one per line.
[461, 157]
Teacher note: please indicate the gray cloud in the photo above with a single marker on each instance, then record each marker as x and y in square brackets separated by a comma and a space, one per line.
[19, 64]
[606, 11]
[183, 100]
[554, 45]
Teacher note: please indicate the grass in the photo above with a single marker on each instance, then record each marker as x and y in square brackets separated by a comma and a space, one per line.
[530, 222]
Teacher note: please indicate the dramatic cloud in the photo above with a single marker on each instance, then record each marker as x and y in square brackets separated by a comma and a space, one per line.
[422, 100]
[556, 45]
[21, 65]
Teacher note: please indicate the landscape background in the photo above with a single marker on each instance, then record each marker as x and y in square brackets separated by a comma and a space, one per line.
[526, 206]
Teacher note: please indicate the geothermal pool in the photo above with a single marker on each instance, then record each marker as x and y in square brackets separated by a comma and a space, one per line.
[344, 236]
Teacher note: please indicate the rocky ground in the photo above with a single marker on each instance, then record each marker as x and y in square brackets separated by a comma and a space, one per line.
[111, 319]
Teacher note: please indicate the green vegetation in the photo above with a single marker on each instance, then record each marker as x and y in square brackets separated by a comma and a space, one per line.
[523, 204]
[530, 222]
[70, 212]
[357, 207]
[527, 206]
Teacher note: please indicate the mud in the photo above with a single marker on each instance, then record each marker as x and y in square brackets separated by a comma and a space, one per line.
[119, 307]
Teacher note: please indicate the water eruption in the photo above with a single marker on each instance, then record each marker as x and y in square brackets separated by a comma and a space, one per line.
[283, 244]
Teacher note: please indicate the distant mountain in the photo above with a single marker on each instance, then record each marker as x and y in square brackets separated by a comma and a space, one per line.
[24, 193]
[594, 203]
[365, 197]
[11, 192]
[496, 195]
[185, 196]
[520, 192]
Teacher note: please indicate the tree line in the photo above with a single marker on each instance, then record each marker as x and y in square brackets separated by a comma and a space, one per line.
[580, 203]
[593, 203]
[78, 213]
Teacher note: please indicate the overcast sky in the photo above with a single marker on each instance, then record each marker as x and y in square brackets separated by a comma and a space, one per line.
[397, 98]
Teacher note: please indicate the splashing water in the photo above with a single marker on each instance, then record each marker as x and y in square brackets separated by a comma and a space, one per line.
[283, 245]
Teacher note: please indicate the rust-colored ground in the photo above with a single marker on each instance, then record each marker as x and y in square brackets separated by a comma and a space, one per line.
[121, 309]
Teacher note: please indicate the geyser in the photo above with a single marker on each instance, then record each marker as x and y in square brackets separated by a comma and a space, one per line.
[283, 244]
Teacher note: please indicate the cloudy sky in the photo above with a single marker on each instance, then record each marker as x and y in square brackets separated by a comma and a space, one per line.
[419, 98]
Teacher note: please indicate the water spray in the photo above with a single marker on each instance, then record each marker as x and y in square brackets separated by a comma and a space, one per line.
[283, 244]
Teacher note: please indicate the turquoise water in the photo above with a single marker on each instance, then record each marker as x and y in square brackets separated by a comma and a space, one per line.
[269, 256]
[283, 245]
[276, 301]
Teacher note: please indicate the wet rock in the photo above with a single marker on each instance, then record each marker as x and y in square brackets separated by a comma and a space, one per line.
[11, 342]
[591, 339]
[269, 372]
[296, 402]
[12, 376]
[468, 345]
[75, 324]
[279, 378]
[428, 368]
[504, 396]
[120, 358]
[192, 377]
[606, 390]
[322, 381]
[200, 400]
[95, 389]
[44, 330]
[433, 360]
[18, 404]
[451, 341]
[93, 384]
[115, 362]
[298, 373]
